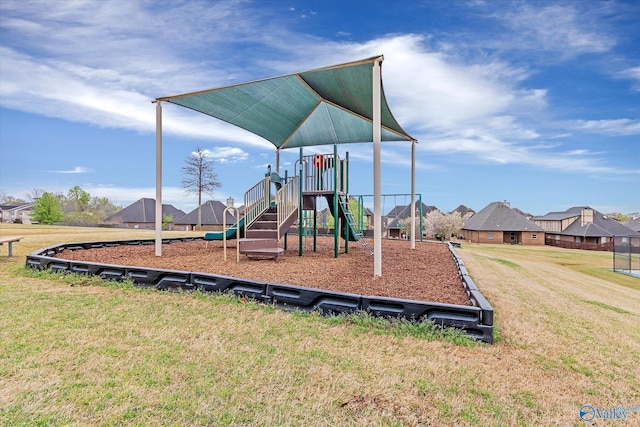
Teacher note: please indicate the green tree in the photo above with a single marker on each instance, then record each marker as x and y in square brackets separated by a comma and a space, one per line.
[618, 216]
[166, 220]
[77, 200]
[354, 207]
[81, 218]
[102, 208]
[200, 177]
[47, 209]
[359, 214]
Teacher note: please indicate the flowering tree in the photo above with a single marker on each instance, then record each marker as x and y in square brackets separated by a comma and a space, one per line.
[442, 226]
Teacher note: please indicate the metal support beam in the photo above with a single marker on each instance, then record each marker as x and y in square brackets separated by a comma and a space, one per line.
[336, 216]
[300, 202]
[377, 178]
[158, 179]
[413, 196]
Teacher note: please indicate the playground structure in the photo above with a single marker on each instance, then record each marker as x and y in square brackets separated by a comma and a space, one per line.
[338, 104]
[267, 218]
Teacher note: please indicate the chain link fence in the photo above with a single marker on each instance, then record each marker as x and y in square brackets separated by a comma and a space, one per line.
[626, 255]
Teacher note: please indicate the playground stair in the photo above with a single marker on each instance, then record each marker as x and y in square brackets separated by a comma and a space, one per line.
[261, 237]
[357, 233]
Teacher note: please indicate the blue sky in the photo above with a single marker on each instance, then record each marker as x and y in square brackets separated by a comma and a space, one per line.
[537, 103]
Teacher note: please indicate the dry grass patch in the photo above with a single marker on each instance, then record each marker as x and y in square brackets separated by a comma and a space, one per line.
[106, 355]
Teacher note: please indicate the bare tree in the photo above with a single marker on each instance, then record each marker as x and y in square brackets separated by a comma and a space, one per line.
[200, 177]
[35, 194]
[10, 200]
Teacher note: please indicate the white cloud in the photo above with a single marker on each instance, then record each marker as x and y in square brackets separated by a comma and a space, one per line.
[453, 101]
[567, 30]
[618, 127]
[225, 154]
[76, 169]
[579, 152]
[634, 75]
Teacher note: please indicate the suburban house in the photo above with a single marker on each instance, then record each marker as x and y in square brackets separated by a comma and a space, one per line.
[212, 218]
[634, 224]
[498, 223]
[464, 212]
[525, 214]
[393, 220]
[142, 214]
[16, 213]
[582, 227]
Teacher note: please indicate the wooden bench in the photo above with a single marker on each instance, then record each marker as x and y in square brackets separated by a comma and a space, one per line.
[10, 240]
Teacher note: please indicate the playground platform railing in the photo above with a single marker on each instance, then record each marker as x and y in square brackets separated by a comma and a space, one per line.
[256, 201]
[320, 174]
[287, 201]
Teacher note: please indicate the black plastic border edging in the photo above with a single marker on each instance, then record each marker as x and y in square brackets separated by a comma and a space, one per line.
[475, 321]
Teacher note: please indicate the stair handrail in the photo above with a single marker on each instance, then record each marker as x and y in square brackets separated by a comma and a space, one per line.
[288, 202]
[256, 201]
[236, 225]
[343, 199]
[357, 231]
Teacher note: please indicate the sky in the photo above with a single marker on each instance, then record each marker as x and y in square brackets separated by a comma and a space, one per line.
[532, 102]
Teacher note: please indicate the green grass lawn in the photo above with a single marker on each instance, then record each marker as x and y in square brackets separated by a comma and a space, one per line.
[81, 352]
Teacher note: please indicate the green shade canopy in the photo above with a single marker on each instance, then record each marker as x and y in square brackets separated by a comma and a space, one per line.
[331, 105]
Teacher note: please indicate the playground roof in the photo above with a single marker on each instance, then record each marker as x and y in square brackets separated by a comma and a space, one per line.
[330, 105]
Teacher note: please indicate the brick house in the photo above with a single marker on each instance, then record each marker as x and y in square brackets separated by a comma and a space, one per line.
[634, 224]
[392, 220]
[464, 212]
[142, 214]
[212, 218]
[498, 223]
[582, 227]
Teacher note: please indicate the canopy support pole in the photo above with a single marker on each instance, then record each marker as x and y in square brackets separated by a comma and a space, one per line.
[301, 202]
[158, 179]
[336, 215]
[413, 196]
[377, 178]
[278, 160]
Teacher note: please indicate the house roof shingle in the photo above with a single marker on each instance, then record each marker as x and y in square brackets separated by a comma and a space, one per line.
[212, 214]
[18, 207]
[401, 212]
[143, 210]
[602, 225]
[498, 216]
[462, 209]
[634, 224]
[404, 211]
